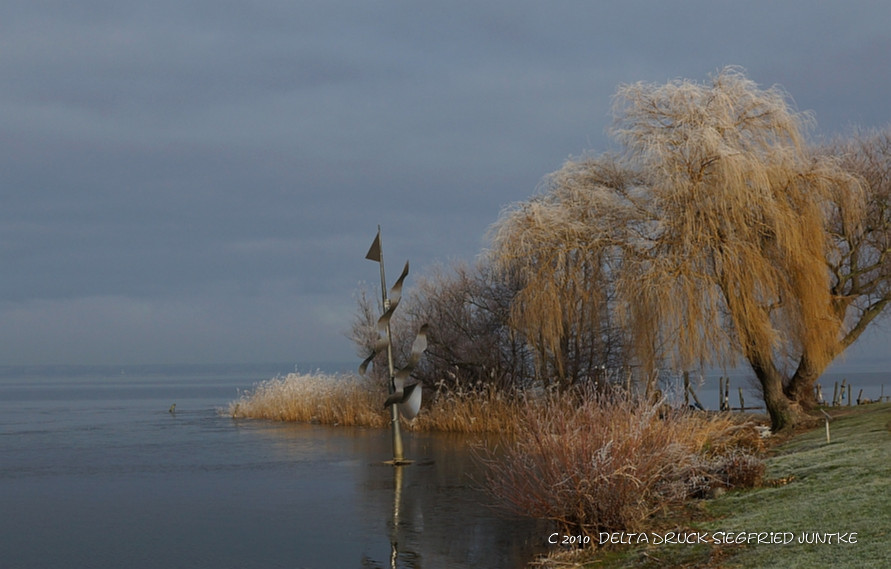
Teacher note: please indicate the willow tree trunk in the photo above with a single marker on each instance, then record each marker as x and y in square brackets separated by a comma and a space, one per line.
[784, 413]
[801, 387]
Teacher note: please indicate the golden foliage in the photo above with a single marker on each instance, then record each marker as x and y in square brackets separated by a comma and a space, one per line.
[707, 237]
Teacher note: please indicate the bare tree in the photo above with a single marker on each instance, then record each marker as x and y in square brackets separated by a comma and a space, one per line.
[469, 342]
[706, 239]
[859, 257]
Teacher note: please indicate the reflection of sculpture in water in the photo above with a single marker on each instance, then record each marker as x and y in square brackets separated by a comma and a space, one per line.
[395, 530]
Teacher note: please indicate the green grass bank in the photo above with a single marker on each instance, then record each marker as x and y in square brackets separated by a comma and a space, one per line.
[837, 495]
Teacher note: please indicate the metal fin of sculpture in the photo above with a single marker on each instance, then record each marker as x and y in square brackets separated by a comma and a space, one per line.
[379, 347]
[411, 402]
[408, 399]
[400, 390]
[396, 292]
[383, 340]
[418, 347]
[374, 252]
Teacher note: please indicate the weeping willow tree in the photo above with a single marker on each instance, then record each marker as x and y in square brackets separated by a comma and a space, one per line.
[706, 238]
[562, 249]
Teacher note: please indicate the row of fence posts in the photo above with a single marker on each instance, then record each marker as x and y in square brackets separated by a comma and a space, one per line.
[688, 392]
[724, 397]
[839, 393]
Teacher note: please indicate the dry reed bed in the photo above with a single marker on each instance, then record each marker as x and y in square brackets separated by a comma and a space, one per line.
[313, 398]
[589, 461]
[352, 401]
[349, 400]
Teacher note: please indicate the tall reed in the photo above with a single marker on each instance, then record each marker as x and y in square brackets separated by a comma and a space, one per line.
[479, 409]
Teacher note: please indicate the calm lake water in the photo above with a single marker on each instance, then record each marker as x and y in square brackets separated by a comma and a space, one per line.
[95, 472]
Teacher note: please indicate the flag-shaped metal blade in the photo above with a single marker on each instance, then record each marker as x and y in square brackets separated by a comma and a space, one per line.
[374, 253]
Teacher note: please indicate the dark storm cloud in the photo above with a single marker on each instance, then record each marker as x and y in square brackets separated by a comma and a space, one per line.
[200, 181]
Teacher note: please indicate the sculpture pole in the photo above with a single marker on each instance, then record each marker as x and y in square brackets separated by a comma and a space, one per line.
[376, 253]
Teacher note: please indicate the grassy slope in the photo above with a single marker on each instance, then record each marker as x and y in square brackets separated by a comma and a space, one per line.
[844, 486]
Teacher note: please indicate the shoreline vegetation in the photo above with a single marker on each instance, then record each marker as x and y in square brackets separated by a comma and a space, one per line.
[600, 464]
[820, 505]
[348, 400]
[589, 461]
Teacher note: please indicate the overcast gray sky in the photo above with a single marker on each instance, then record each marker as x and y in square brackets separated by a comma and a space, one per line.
[199, 181]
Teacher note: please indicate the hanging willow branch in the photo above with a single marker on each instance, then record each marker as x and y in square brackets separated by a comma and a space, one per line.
[706, 238]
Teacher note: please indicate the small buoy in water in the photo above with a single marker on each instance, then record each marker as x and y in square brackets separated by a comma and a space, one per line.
[173, 409]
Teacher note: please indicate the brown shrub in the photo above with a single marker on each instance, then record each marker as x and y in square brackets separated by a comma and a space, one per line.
[606, 463]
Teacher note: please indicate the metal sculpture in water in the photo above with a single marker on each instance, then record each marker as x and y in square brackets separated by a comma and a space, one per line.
[403, 397]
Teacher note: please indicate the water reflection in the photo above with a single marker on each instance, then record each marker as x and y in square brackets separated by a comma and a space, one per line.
[406, 524]
[99, 473]
[431, 513]
[395, 525]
